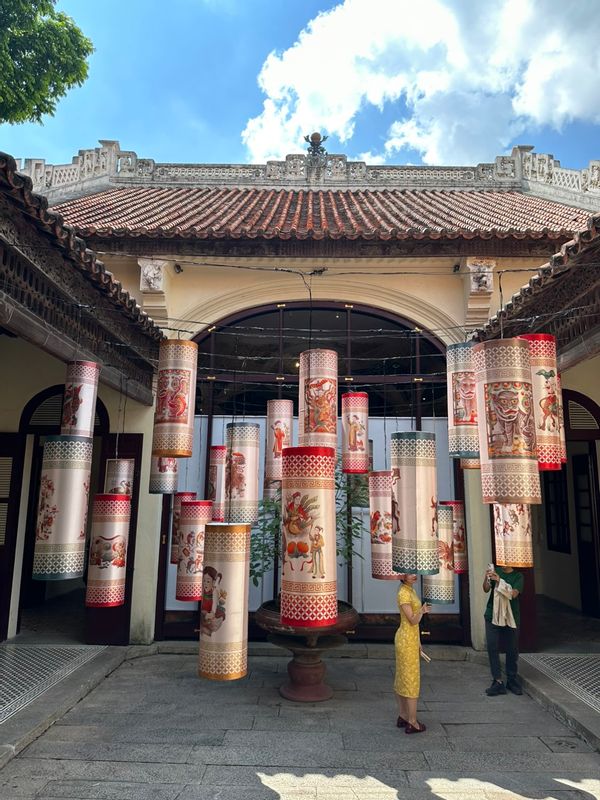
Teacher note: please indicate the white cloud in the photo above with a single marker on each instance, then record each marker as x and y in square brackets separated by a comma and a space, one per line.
[465, 76]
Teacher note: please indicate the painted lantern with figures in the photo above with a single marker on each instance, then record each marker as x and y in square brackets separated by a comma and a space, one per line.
[355, 432]
[414, 503]
[512, 535]
[439, 588]
[193, 517]
[223, 654]
[546, 399]
[216, 481]
[175, 399]
[463, 439]
[163, 475]
[241, 471]
[380, 525]
[79, 403]
[280, 416]
[111, 514]
[507, 436]
[309, 569]
[118, 477]
[317, 398]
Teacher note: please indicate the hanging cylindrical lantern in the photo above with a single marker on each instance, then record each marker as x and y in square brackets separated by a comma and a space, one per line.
[546, 405]
[241, 471]
[216, 481]
[470, 463]
[60, 532]
[414, 503]
[111, 514]
[561, 422]
[223, 652]
[359, 484]
[459, 536]
[280, 416]
[507, 443]
[512, 535]
[178, 499]
[309, 569]
[439, 588]
[175, 399]
[355, 432]
[193, 517]
[163, 475]
[79, 403]
[317, 398]
[380, 517]
[463, 438]
[118, 476]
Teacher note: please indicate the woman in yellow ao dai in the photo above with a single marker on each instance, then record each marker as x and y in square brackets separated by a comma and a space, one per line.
[407, 644]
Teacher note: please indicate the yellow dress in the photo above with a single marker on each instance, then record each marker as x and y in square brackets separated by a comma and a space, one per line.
[407, 644]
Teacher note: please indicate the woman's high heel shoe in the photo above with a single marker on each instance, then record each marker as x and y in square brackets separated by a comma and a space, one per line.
[401, 722]
[414, 729]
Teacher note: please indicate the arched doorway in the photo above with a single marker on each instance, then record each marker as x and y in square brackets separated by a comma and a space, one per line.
[252, 356]
[50, 609]
[567, 570]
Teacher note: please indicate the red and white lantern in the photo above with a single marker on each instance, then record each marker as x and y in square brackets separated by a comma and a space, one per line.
[60, 531]
[512, 535]
[463, 438]
[317, 398]
[111, 514]
[175, 399]
[241, 471]
[546, 399]
[355, 432]
[223, 652]
[178, 499]
[280, 419]
[459, 536]
[79, 404]
[309, 569]
[193, 518]
[507, 441]
[380, 516]
[439, 589]
[118, 476]
[414, 503]
[216, 481]
[163, 475]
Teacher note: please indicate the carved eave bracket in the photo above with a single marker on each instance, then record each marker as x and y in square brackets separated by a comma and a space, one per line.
[155, 279]
[479, 286]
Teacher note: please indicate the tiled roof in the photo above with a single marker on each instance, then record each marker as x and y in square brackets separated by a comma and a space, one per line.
[206, 213]
[19, 188]
[540, 294]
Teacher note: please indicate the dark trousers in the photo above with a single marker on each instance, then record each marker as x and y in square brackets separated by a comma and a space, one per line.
[511, 641]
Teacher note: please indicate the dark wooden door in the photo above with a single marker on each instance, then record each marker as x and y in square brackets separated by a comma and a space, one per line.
[12, 448]
[111, 625]
[588, 540]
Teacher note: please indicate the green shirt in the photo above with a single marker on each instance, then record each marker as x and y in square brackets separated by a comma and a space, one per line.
[516, 581]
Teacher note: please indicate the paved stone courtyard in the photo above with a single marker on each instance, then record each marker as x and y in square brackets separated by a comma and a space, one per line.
[152, 729]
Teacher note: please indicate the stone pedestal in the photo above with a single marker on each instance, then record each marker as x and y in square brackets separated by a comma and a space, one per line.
[306, 670]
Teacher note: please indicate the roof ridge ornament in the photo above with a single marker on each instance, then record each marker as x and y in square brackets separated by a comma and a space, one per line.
[315, 145]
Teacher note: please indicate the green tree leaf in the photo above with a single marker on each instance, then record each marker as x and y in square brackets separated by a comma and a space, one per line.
[43, 54]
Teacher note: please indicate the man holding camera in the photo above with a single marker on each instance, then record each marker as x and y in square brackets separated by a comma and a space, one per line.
[502, 615]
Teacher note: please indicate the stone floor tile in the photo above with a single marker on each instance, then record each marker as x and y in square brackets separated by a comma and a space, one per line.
[513, 762]
[126, 771]
[110, 790]
[105, 751]
[498, 744]
[566, 744]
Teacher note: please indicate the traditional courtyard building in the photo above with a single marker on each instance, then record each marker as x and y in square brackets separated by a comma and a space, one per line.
[387, 265]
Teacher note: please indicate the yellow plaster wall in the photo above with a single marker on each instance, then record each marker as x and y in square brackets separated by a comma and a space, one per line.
[426, 291]
[25, 370]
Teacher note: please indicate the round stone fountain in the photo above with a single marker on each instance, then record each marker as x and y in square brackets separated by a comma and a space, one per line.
[306, 670]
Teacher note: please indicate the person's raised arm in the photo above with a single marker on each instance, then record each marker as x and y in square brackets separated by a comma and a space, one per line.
[413, 618]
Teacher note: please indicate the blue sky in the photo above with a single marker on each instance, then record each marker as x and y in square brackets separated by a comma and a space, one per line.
[391, 81]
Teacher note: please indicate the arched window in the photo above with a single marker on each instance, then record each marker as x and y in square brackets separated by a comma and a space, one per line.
[252, 357]
[43, 413]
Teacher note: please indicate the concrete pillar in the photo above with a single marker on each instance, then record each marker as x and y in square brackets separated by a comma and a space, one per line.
[479, 546]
